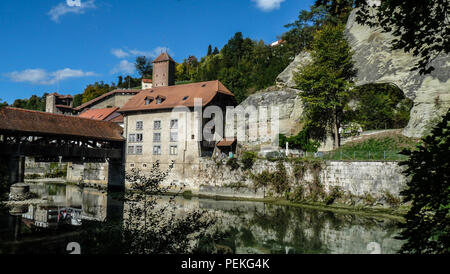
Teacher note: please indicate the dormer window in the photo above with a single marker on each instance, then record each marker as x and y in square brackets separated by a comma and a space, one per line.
[160, 99]
[148, 100]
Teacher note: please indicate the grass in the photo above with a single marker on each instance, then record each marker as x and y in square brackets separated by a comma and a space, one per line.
[384, 146]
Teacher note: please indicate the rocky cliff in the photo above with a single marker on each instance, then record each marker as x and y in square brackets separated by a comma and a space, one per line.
[376, 62]
[290, 112]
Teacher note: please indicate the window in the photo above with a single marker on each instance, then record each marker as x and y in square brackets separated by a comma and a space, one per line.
[173, 150]
[157, 124]
[139, 137]
[157, 150]
[138, 149]
[157, 137]
[160, 99]
[174, 136]
[130, 149]
[148, 100]
[132, 138]
[139, 125]
[185, 98]
[174, 124]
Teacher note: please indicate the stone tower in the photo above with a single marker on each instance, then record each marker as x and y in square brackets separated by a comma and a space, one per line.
[163, 71]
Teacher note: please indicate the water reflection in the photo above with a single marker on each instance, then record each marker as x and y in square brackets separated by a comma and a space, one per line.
[66, 212]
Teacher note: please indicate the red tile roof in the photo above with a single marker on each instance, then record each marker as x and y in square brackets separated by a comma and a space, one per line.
[98, 114]
[163, 57]
[61, 96]
[147, 80]
[226, 142]
[179, 95]
[14, 120]
[95, 100]
[63, 106]
[117, 119]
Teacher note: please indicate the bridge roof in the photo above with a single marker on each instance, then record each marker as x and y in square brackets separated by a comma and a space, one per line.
[23, 121]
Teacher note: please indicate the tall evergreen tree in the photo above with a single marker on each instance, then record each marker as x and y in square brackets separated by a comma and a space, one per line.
[144, 66]
[326, 82]
[209, 50]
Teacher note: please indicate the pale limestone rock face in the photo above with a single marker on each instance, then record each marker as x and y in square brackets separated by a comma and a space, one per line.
[376, 62]
[290, 111]
[286, 78]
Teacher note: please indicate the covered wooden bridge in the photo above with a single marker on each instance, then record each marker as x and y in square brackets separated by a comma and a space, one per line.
[49, 137]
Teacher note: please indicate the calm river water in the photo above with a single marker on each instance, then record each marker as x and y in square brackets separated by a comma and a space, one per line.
[252, 227]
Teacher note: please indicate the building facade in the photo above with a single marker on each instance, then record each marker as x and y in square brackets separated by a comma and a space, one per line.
[168, 123]
[163, 71]
[59, 104]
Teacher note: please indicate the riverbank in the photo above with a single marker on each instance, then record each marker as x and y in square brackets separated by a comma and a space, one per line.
[396, 213]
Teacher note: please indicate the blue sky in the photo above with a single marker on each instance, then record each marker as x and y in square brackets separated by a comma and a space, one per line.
[60, 45]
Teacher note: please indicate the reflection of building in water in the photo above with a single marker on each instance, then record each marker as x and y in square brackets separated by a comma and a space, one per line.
[68, 205]
[51, 216]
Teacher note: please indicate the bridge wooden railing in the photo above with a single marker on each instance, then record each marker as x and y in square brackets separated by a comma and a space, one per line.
[55, 151]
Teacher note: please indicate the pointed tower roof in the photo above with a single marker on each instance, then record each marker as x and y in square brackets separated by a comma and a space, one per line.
[163, 57]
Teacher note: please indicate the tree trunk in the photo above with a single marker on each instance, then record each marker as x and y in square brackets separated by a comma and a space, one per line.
[336, 130]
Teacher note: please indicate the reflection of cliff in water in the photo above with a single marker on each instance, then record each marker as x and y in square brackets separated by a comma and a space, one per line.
[262, 228]
[251, 227]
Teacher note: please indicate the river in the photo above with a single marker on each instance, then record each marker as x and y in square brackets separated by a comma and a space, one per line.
[65, 211]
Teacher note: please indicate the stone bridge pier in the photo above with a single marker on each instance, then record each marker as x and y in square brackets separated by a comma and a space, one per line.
[15, 169]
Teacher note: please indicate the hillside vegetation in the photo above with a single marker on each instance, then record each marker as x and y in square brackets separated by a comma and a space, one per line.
[382, 146]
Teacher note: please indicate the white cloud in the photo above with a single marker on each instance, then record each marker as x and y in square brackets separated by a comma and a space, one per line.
[42, 77]
[122, 53]
[124, 67]
[68, 7]
[268, 5]
[119, 53]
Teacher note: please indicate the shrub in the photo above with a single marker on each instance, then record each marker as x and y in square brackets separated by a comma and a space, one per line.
[275, 156]
[300, 141]
[369, 199]
[391, 199]
[248, 159]
[278, 180]
[298, 193]
[233, 163]
[335, 193]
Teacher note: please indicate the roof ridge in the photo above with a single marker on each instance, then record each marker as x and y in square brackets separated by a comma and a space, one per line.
[106, 94]
[48, 113]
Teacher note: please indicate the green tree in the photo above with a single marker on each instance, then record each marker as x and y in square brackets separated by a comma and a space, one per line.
[209, 50]
[379, 106]
[301, 31]
[427, 227]
[33, 103]
[337, 8]
[421, 27]
[144, 66]
[95, 90]
[77, 100]
[326, 82]
[3, 104]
